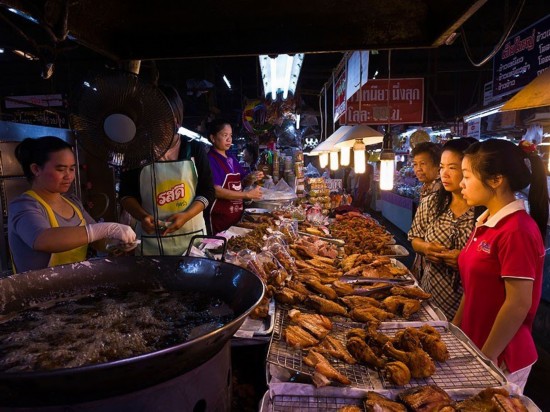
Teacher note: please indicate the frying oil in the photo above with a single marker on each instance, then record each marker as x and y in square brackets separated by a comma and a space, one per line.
[105, 327]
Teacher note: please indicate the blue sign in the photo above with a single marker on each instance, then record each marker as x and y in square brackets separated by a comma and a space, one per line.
[522, 58]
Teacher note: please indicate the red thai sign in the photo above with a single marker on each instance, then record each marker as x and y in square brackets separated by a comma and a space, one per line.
[370, 104]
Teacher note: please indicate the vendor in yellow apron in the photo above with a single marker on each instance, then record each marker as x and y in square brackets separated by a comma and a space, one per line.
[70, 256]
[167, 189]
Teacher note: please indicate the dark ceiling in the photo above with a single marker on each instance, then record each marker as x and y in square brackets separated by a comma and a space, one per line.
[203, 40]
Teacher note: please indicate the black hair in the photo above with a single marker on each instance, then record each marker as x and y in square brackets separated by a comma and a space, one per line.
[215, 126]
[38, 151]
[174, 99]
[433, 149]
[444, 197]
[495, 157]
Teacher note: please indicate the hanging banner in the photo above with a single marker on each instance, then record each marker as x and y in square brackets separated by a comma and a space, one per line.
[339, 96]
[357, 72]
[406, 103]
[523, 57]
[474, 128]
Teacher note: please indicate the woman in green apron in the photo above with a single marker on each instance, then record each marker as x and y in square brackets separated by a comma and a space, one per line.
[168, 196]
[46, 227]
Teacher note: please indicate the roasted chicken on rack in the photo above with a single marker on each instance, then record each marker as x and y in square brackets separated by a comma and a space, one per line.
[333, 347]
[363, 353]
[350, 408]
[418, 361]
[375, 402]
[413, 292]
[323, 370]
[370, 313]
[324, 290]
[325, 306]
[299, 338]
[358, 301]
[398, 373]
[317, 325]
[401, 305]
[491, 399]
[427, 399]
[412, 338]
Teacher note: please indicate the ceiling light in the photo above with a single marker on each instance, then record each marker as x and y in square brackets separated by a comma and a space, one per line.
[280, 74]
[323, 160]
[334, 160]
[387, 163]
[359, 157]
[345, 155]
[482, 113]
[226, 80]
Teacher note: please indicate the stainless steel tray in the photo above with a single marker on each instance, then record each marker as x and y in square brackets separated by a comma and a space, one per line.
[467, 367]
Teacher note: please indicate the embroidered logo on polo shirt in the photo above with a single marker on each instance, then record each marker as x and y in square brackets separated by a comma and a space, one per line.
[484, 247]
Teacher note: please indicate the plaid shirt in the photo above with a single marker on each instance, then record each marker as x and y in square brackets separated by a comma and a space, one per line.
[442, 281]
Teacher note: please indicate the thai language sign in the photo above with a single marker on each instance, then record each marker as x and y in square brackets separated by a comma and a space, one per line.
[397, 101]
[522, 58]
[340, 96]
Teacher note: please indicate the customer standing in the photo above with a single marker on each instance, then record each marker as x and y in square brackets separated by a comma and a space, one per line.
[229, 178]
[502, 263]
[440, 229]
[425, 160]
[46, 226]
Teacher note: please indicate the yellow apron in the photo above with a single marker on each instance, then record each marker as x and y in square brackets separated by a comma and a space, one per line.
[70, 256]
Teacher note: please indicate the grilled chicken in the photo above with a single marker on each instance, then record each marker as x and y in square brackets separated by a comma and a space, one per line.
[333, 347]
[287, 295]
[426, 399]
[363, 353]
[298, 338]
[412, 338]
[375, 402]
[298, 287]
[357, 332]
[367, 313]
[350, 408]
[419, 362]
[357, 301]
[326, 307]
[342, 288]
[401, 305]
[324, 368]
[318, 325]
[491, 399]
[398, 373]
[413, 292]
[324, 290]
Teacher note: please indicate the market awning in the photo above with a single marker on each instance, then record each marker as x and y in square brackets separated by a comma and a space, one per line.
[535, 94]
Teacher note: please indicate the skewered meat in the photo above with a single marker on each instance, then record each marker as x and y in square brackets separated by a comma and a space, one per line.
[367, 313]
[363, 353]
[342, 288]
[333, 347]
[401, 304]
[323, 367]
[350, 408]
[419, 362]
[326, 307]
[325, 290]
[355, 301]
[398, 373]
[375, 402]
[318, 325]
[413, 292]
[426, 398]
[298, 338]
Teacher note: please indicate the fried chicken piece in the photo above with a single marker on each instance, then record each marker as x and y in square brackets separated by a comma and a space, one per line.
[324, 290]
[333, 347]
[507, 404]
[356, 270]
[398, 373]
[357, 332]
[298, 287]
[318, 325]
[407, 340]
[484, 401]
[326, 307]
[412, 338]
[363, 353]
[374, 337]
[401, 304]
[348, 262]
[413, 292]
[299, 338]
[355, 301]
[350, 408]
[375, 402]
[367, 313]
[287, 295]
[430, 330]
[426, 399]
[342, 288]
[419, 362]
[323, 367]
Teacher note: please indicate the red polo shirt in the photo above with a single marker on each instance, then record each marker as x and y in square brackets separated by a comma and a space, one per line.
[508, 245]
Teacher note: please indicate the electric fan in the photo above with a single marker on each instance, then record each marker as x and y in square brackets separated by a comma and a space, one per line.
[122, 120]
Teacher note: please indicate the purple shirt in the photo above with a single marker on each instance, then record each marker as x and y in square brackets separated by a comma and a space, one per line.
[218, 173]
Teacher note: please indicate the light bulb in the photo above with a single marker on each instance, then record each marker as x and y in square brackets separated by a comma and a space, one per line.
[387, 167]
[345, 155]
[359, 158]
[323, 160]
[333, 160]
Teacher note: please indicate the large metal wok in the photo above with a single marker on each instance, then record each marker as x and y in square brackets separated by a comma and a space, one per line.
[239, 288]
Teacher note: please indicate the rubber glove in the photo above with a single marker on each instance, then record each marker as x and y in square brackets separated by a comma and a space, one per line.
[97, 231]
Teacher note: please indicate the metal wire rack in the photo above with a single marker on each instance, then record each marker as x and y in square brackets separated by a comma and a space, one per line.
[295, 403]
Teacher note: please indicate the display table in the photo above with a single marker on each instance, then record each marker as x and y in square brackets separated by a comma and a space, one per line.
[398, 209]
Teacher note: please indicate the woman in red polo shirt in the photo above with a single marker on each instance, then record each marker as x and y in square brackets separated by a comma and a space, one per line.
[501, 265]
